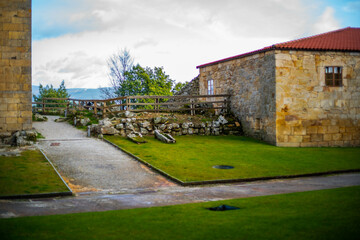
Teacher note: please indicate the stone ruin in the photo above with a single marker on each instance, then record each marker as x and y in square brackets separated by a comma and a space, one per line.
[167, 125]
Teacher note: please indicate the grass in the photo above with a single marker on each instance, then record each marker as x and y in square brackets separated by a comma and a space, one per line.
[192, 157]
[325, 214]
[29, 173]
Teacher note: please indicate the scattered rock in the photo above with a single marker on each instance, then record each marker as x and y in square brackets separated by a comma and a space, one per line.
[164, 138]
[136, 137]
[40, 118]
[84, 121]
[61, 119]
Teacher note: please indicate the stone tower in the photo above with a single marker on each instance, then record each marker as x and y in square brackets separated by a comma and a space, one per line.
[15, 66]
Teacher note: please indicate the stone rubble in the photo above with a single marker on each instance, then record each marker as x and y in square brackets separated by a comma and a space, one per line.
[164, 124]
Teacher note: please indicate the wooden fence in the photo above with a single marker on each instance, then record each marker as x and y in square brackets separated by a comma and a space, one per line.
[136, 104]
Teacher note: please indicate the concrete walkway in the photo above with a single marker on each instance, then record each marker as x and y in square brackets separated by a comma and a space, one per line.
[89, 164]
[104, 178]
[170, 196]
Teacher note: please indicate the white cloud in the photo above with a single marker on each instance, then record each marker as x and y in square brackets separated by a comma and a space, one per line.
[326, 22]
[178, 35]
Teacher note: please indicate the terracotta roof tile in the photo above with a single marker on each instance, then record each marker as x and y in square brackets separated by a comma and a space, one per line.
[346, 39]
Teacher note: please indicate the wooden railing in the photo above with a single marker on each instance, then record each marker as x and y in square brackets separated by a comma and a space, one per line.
[136, 104]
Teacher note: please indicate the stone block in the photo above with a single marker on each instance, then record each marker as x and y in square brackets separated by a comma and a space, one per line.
[309, 144]
[316, 137]
[327, 137]
[337, 137]
[295, 139]
[311, 130]
[333, 129]
[347, 136]
[288, 144]
[299, 130]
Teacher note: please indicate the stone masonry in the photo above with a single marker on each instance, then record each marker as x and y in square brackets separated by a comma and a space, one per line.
[251, 83]
[15, 66]
[310, 114]
[280, 96]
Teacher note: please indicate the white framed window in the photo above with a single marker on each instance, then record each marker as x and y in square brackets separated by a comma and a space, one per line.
[210, 84]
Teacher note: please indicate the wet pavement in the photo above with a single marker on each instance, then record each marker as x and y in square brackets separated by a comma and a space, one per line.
[92, 202]
[104, 178]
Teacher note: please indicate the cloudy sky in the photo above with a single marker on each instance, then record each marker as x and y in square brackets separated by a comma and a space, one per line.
[72, 39]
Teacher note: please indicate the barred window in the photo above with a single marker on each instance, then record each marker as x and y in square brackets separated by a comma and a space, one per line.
[333, 76]
[211, 87]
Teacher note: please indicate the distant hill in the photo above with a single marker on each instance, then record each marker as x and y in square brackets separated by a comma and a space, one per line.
[78, 93]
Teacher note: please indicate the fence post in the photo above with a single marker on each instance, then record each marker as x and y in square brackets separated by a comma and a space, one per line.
[95, 108]
[127, 103]
[43, 106]
[156, 106]
[67, 105]
[104, 110]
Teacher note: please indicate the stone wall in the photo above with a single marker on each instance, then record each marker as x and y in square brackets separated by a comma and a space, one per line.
[308, 112]
[166, 123]
[251, 82]
[192, 88]
[15, 66]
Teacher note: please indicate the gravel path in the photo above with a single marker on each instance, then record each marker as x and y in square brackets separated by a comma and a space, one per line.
[89, 164]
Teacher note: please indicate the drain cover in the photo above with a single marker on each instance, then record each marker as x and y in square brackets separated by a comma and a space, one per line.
[223, 167]
[55, 144]
[223, 208]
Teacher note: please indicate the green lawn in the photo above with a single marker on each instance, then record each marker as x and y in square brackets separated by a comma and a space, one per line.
[192, 157]
[325, 214]
[29, 173]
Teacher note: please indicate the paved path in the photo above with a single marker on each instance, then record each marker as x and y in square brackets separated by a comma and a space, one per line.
[89, 164]
[107, 179]
[170, 196]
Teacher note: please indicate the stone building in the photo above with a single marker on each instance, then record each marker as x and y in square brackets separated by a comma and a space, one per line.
[302, 93]
[15, 66]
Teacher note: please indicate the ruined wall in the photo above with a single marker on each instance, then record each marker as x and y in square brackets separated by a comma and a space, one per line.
[191, 88]
[310, 113]
[15, 66]
[251, 82]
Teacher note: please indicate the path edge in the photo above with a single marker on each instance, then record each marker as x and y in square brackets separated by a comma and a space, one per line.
[238, 180]
[43, 195]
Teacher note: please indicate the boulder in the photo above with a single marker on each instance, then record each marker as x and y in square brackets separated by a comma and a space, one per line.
[157, 120]
[143, 131]
[39, 117]
[108, 131]
[222, 120]
[144, 124]
[105, 122]
[185, 125]
[84, 121]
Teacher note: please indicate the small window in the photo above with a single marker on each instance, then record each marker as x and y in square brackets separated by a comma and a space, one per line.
[211, 87]
[333, 76]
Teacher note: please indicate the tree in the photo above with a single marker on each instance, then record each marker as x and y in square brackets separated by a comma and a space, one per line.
[51, 92]
[178, 86]
[119, 63]
[146, 81]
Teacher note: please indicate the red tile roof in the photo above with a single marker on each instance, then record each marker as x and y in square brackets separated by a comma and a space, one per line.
[346, 40]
